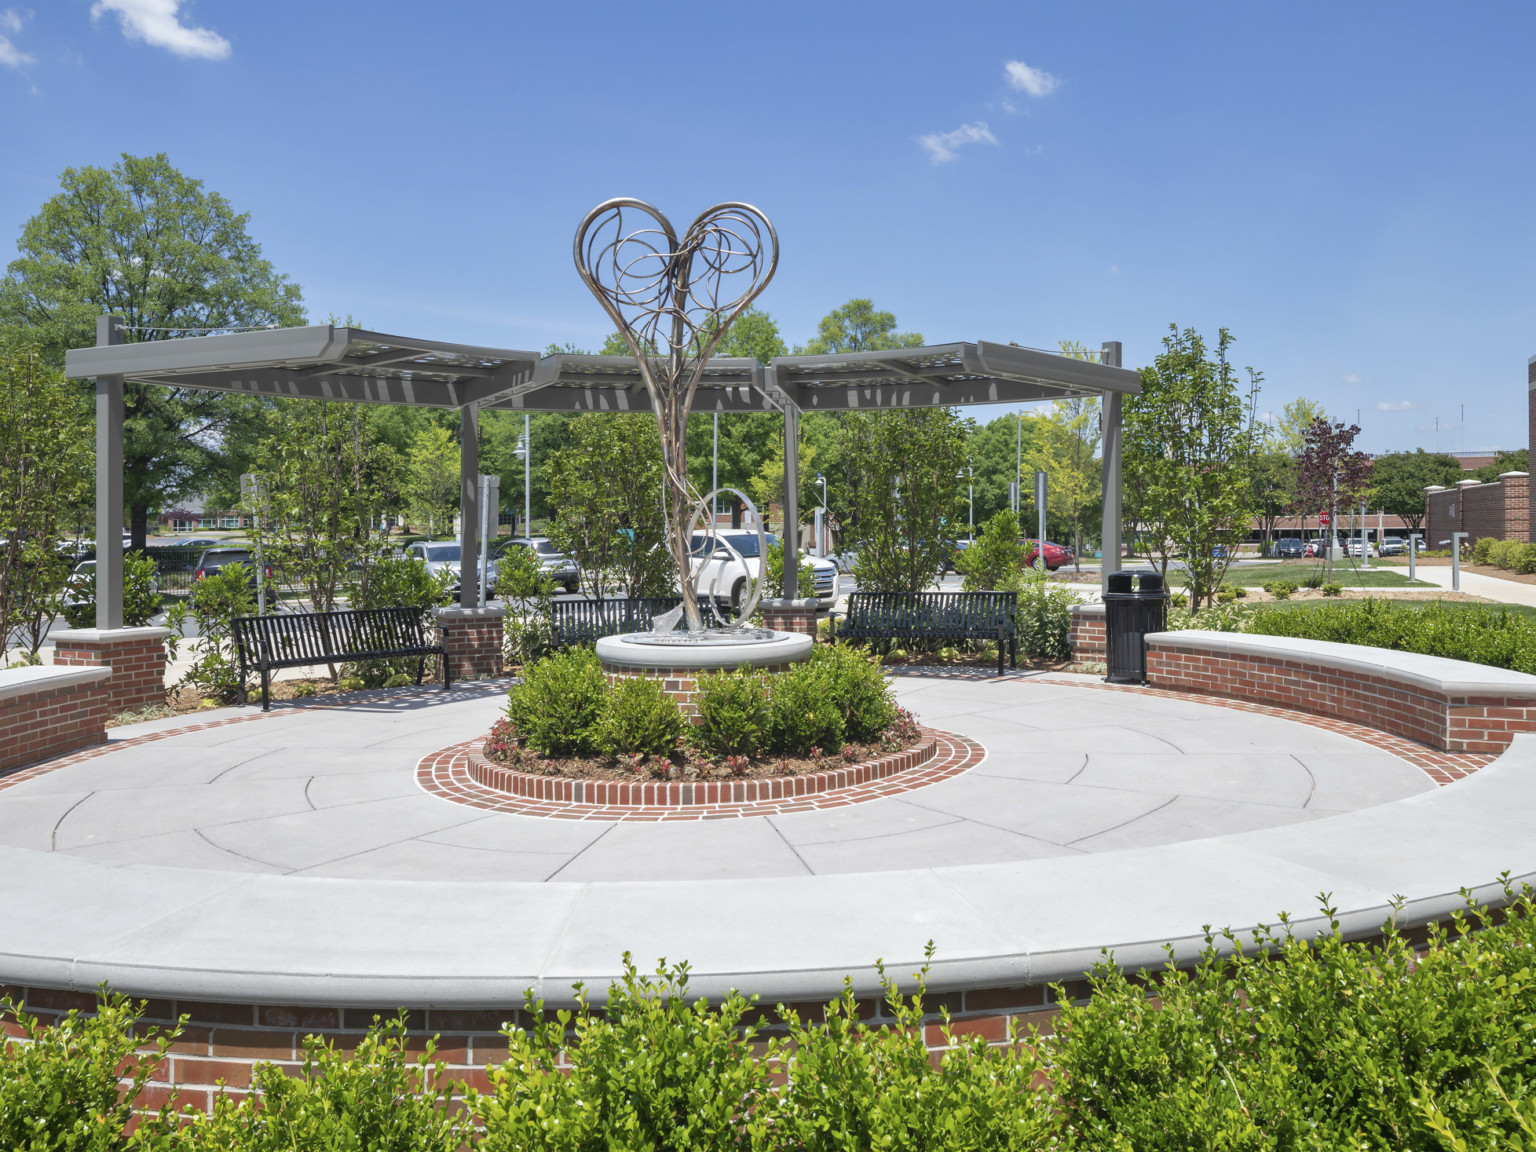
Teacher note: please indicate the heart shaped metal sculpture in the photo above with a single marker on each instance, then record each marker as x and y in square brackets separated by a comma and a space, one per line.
[673, 300]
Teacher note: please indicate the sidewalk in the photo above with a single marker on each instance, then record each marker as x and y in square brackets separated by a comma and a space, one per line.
[1477, 584]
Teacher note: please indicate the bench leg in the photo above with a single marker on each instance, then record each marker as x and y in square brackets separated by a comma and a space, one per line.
[421, 669]
[447, 670]
[266, 690]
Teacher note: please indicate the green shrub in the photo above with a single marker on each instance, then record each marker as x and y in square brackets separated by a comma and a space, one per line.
[1226, 595]
[647, 1070]
[1281, 589]
[1525, 563]
[213, 606]
[1313, 581]
[773, 581]
[1504, 554]
[733, 712]
[557, 704]
[59, 1083]
[1044, 623]
[995, 562]
[1226, 617]
[802, 713]
[1476, 633]
[638, 716]
[1332, 589]
[528, 593]
[394, 582]
[858, 689]
[141, 597]
[1482, 551]
[375, 1098]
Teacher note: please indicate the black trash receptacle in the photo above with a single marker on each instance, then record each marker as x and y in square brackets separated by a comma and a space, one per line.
[1135, 605]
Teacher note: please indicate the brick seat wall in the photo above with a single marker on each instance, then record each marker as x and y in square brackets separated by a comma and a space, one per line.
[46, 712]
[1455, 721]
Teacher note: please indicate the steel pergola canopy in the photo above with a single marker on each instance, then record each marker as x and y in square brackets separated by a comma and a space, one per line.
[323, 362]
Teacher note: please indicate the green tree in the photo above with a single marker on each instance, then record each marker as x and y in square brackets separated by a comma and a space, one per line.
[432, 480]
[1398, 480]
[1273, 478]
[326, 484]
[1187, 450]
[755, 335]
[146, 242]
[45, 480]
[1517, 460]
[899, 488]
[1066, 438]
[995, 562]
[1295, 418]
[858, 327]
[606, 487]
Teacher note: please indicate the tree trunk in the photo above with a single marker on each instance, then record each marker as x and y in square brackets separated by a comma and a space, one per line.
[139, 527]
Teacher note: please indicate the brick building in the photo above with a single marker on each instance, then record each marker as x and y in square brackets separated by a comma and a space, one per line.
[1500, 509]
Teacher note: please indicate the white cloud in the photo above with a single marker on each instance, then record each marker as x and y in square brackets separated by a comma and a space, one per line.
[1351, 378]
[941, 145]
[1396, 406]
[1114, 269]
[11, 56]
[1023, 78]
[157, 23]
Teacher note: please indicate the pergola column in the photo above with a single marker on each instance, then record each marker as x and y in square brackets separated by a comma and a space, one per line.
[791, 533]
[469, 506]
[109, 484]
[1111, 446]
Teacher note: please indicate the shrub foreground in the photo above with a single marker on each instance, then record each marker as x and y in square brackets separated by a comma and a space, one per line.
[1283, 1044]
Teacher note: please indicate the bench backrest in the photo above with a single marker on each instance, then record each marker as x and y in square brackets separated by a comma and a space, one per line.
[976, 614]
[318, 637]
[584, 621]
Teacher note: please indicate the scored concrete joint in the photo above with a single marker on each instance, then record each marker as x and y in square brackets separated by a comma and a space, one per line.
[472, 641]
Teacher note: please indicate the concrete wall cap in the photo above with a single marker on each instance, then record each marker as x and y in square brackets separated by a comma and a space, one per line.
[630, 652]
[469, 613]
[1096, 608]
[1436, 673]
[23, 681]
[251, 938]
[68, 636]
[1468, 483]
[1434, 488]
[1513, 475]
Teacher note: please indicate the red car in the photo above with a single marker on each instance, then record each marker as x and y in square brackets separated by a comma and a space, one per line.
[1055, 554]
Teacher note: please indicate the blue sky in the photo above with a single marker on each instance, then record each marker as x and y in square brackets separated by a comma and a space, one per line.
[1346, 186]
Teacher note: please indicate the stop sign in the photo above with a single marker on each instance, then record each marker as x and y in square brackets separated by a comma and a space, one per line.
[1323, 519]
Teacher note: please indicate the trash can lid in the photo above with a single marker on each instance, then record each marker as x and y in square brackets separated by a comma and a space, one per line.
[1120, 581]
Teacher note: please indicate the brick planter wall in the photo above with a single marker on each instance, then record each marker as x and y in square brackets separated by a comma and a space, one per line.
[472, 640]
[46, 712]
[1484, 724]
[1087, 635]
[225, 1041]
[1500, 510]
[682, 684]
[135, 655]
[687, 793]
[790, 616]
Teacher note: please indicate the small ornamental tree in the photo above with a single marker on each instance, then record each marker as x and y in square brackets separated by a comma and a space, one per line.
[1188, 457]
[1330, 472]
[995, 562]
[904, 502]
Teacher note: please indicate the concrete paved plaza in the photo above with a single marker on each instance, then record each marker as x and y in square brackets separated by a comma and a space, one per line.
[332, 792]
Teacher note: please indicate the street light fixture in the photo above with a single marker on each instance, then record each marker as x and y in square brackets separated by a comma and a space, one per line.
[821, 517]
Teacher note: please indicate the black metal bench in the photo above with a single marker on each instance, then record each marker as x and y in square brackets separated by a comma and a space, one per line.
[294, 639]
[932, 616]
[583, 621]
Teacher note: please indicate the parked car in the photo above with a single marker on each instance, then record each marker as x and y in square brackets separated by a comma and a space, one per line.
[1391, 546]
[1055, 554]
[195, 542]
[954, 552]
[443, 555]
[735, 557]
[557, 565]
[213, 560]
[1362, 548]
[80, 585]
[1290, 548]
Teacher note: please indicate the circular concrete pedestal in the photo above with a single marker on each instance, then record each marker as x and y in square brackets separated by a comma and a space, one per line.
[760, 648]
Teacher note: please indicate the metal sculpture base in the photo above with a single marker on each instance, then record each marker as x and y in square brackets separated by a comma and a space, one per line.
[716, 649]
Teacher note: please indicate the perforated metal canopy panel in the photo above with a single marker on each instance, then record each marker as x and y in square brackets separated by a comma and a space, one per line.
[351, 364]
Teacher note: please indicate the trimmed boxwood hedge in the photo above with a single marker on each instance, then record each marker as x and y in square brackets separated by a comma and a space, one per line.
[1482, 635]
[1270, 1043]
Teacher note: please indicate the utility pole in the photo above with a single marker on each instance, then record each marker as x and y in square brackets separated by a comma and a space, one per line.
[1018, 464]
[714, 479]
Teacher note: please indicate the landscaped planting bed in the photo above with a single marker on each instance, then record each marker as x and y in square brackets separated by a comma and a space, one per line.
[1282, 1043]
[564, 718]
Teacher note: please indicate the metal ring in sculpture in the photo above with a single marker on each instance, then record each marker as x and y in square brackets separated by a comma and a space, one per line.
[748, 603]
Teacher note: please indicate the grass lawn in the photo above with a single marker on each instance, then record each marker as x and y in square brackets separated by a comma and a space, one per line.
[1347, 575]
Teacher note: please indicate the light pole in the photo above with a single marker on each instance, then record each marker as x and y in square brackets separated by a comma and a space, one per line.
[714, 479]
[524, 452]
[969, 473]
[1018, 464]
[821, 527]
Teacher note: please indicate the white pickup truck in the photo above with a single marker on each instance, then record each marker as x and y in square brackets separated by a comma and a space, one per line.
[725, 571]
